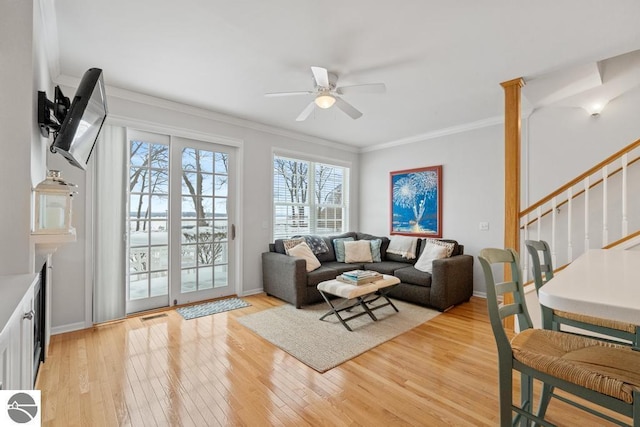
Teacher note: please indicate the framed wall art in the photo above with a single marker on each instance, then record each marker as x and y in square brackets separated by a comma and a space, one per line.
[416, 202]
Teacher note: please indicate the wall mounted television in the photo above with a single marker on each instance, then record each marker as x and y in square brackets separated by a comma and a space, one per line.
[75, 124]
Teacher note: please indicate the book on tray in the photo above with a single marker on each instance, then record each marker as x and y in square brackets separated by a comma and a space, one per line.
[359, 277]
[359, 274]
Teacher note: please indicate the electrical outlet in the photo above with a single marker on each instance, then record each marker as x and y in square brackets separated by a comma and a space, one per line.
[484, 226]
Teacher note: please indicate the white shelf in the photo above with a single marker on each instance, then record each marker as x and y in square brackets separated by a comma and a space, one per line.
[49, 243]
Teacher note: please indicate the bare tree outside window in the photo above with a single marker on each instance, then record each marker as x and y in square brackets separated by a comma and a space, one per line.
[147, 178]
[295, 175]
[198, 167]
[308, 197]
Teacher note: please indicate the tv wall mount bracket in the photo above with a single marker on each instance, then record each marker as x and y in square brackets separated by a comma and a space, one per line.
[51, 114]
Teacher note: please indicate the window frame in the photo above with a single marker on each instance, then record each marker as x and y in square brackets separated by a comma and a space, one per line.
[311, 205]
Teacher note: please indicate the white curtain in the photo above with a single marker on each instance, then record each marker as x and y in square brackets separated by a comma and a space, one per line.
[109, 238]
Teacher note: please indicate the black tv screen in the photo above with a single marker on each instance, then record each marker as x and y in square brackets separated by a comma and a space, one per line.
[83, 121]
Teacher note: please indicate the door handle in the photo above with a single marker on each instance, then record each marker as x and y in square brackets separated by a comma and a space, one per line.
[29, 315]
[233, 232]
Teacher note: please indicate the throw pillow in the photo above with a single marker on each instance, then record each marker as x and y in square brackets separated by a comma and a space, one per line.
[430, 253]
[404, 246]
[290, 243]
[450, 246]
[358, 251]
[338, 245]
[304, 251]
[317, 244]
[375, 249]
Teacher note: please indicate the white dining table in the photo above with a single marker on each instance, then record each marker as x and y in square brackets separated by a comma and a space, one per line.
[601, 282]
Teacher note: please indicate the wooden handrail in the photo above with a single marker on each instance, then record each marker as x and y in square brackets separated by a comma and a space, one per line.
[624, 239]
[579, 193]
[580, 178]
[609, 246]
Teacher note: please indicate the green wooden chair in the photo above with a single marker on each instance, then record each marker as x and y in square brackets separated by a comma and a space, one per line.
[552, 319]
[601, 372]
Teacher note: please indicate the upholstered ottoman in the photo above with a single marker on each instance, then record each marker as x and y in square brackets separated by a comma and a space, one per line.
[357, 295]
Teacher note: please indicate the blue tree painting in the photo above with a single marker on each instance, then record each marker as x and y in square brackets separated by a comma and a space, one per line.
[416, 202]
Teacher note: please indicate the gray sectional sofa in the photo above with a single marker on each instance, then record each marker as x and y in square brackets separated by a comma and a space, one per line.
[451, 282]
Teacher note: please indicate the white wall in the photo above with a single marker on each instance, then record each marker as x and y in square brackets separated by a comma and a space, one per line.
[565, 142]
[22, 74]
[71, 289]
[472, 187]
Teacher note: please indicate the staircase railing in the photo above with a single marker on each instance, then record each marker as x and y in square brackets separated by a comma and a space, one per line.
[592, 210]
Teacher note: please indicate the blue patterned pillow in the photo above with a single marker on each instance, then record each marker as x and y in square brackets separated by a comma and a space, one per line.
[317, 244]
[375, 249]
[338, 245]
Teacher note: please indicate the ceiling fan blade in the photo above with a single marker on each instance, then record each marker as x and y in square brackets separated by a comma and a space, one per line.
[349, 109]
[321, 75]
[306, 112]
[365, 88]
[301, 92]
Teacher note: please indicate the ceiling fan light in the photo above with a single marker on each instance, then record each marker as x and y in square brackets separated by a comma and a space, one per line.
[325, 101]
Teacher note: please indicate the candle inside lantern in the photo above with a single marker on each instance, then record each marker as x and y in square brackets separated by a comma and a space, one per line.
[54, 217]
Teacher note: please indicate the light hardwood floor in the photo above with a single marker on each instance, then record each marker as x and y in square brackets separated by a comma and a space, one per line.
[212, 371]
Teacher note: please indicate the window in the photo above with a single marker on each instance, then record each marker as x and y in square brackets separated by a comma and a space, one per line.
[308, 197]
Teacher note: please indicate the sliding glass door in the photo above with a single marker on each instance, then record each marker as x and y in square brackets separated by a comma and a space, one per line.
[180, 236]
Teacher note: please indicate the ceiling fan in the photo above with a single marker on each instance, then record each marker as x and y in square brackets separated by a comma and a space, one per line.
[326, 93]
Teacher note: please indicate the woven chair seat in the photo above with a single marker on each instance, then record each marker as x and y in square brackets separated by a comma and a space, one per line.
[604, 367]
[598, 321]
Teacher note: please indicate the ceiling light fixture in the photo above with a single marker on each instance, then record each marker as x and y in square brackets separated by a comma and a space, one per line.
[595, 108]
[325, 100]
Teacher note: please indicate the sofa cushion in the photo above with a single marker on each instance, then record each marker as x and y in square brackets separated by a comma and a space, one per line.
[357, 251]
[317, 243]
[291, 243]
[320, 275]
[383, 246]
[304, 251]
[330, 255]
[413, 276]
[375, 245]
[457, 248]
[406, 246]
[338, 246]
[384, 267]
[341, 267]
[430, 243]
[431, 252]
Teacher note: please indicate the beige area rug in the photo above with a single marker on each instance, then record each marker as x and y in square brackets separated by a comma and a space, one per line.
[325, 344]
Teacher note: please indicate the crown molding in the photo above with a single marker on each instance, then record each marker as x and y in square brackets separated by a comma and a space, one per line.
[125, 94]
[492, 121]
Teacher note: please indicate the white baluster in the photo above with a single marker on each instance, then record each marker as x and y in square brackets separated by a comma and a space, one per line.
[625, 224]
[539, 215]
[586, 214]
[554, 214]
[524, 258]
[569, 245]
[605, 225]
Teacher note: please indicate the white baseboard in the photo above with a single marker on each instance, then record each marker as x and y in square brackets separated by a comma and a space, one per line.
[252, 292]
[480, 294]
[55, 330]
